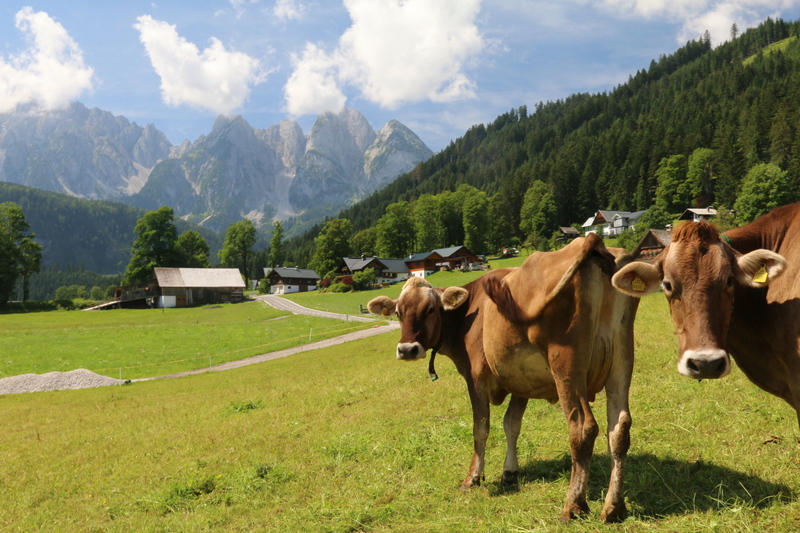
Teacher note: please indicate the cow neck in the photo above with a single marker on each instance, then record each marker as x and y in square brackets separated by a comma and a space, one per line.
[431, 368]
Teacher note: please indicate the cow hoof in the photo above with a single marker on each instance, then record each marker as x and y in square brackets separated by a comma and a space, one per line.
[614, 513]
[469, 483]
[576, 510]
[509, 478]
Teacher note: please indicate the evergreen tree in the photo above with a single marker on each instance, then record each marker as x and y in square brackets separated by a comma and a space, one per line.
[671, 195]
[275, 257]
[239, 241]
[475, 217]
[699, 184]
[538, 215]
[155, 246]
[427, 233]
[502, 231]
[20, 255]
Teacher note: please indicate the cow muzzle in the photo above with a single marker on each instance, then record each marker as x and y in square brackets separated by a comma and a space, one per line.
[410, 351]
[705, 364]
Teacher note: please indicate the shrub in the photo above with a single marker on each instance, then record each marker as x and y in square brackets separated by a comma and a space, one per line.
[364, 280]
[264, 286]
[340, 287]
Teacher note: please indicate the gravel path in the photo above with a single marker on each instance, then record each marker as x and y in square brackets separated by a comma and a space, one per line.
[82, 378]
[74, 379]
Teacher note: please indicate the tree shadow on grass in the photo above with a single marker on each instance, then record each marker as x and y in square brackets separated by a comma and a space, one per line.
[656, 487]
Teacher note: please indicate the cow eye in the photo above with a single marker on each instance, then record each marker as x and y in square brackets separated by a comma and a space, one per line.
[667, 286]
[730, 281]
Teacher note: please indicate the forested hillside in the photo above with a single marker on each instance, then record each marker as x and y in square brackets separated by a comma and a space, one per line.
[81, 238]
[740, 102]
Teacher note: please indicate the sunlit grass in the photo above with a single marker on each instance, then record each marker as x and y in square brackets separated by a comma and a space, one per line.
[349, 439]
[133, 343]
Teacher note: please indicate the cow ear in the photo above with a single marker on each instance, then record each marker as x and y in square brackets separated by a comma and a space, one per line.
[638, 279]
[453, 297]
[382, 305]
[759, 268]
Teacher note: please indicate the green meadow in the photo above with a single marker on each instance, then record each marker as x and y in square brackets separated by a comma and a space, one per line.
[347, 439]
[136, 343]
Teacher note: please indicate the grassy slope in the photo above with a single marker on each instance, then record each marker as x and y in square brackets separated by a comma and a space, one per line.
[779, 46]
[153, 342]
[348, 439]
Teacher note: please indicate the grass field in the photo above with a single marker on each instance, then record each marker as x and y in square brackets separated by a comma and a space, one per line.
[349, 439]
[135, 343]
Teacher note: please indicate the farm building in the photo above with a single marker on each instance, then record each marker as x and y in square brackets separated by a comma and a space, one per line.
[567, 233]
[696, 214]
[288, 280]
[456, 257]
[386, 270]
[182, 287]
[651, 244]
[608, 223]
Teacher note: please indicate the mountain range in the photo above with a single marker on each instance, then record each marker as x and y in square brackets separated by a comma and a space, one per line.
[234, 172]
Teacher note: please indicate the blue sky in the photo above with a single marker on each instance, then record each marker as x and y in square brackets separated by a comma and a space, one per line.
[438, 66]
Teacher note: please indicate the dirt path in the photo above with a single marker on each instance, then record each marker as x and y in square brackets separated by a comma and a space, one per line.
[288, 305]
[82, 378]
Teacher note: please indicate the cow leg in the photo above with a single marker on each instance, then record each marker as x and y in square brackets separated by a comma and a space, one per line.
[512, 425]
[619, 440]
[582, 434]
[480, 434]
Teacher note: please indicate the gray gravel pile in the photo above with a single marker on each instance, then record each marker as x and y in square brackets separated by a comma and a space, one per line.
[74, 379]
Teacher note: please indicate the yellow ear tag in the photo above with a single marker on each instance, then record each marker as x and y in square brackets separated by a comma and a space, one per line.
[638, 285]
[761, 276]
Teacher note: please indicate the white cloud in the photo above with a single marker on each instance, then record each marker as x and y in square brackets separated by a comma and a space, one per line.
[312, 87]
[697, 16]
[50, 73]
[286, 10]
[240, 6]
[394, 52]
[215, 79]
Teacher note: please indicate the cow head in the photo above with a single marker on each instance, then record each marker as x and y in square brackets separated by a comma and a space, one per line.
[420, 309]
[699, 274]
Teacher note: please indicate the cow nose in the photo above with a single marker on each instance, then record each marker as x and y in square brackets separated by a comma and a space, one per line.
[711, 364]
[409, 351]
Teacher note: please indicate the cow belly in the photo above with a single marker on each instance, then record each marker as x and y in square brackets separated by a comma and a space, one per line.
[526, 373]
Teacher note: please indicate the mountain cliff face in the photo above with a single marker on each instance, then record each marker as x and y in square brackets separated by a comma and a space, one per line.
[83, 152]
[233, 172]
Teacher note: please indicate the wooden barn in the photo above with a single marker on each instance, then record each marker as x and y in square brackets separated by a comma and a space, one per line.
[386, 270]
[288, 280]
[651, 244]
[181, 287]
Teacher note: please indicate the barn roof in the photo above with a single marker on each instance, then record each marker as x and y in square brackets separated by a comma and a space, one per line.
[293, 273]
[199, 278]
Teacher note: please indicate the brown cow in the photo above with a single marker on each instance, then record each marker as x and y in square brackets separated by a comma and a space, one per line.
[558, 331]
[756, 267]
